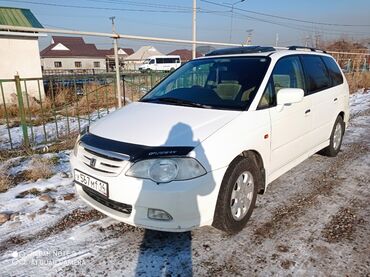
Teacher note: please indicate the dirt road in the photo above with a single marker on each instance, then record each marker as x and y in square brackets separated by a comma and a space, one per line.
[314, 220]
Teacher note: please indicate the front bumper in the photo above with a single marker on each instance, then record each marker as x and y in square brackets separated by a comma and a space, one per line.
[191, 203]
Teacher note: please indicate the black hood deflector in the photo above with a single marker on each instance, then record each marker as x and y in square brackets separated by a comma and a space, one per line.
[135, 151]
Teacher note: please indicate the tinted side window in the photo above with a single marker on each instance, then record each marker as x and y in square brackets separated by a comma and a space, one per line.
[317, 75]
[334, 71]
[286, 74]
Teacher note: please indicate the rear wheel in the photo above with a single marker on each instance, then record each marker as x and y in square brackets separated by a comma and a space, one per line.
[237, 196]
[336, 138]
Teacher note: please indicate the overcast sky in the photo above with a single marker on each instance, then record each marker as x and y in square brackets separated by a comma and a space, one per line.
[294, 21]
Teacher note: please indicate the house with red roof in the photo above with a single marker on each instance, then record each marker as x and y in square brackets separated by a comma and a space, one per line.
[123, 53]
[185, 54]
[72, 55]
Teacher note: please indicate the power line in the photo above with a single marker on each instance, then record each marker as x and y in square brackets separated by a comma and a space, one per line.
[287, 18]
[182, 10]
[143, 4]
[297, 27]
[304, 28]
[95, 8]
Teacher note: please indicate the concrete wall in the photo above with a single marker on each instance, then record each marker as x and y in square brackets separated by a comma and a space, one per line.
[20, 55]
[69, 63]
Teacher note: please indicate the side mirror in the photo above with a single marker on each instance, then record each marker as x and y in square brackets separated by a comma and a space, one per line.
[289, 96]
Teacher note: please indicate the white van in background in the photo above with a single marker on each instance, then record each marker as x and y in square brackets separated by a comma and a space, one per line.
[161, 63]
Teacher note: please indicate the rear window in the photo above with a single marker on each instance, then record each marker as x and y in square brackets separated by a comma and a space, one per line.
[334, 71]
[316, 73]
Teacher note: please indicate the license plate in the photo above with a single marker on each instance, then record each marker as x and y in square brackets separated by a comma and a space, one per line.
[91, 182]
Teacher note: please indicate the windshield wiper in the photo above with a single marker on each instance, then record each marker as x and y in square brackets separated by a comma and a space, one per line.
[176, 101]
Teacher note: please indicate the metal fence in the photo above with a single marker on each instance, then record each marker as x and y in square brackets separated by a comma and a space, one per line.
[61, 106]
[352, 62]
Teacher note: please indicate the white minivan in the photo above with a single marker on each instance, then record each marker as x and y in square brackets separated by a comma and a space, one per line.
[161, 63]
[198, 148]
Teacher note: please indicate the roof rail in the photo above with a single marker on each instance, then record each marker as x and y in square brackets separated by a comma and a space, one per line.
[241, 50]
[295, 47]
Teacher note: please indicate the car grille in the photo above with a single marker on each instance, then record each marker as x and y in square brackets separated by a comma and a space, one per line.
[120, 207]
[101, 162]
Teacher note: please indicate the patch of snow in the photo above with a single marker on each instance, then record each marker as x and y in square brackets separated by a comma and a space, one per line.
[26, 208]
[63, 124]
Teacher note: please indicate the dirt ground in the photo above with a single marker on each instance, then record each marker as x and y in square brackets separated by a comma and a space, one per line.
[312, 221]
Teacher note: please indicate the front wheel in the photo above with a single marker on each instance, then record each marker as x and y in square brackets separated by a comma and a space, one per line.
[336, 138]
[237, 195]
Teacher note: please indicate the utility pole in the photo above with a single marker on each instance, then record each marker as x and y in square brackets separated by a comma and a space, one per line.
[249, 37]
[112, 18]
[194, 28]
[317, 40]
[277, 39]
[232, 17]
[307, 39]
[116, 64]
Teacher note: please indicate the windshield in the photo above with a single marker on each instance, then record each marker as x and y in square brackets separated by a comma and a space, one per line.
[146, 61]
[218, 83]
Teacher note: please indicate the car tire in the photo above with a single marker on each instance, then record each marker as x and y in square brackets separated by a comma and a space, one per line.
[336, 139]
[242, 175]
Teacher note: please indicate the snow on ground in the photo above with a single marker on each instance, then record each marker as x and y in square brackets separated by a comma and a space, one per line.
[26, 209]
[313, 220]
[63, 124]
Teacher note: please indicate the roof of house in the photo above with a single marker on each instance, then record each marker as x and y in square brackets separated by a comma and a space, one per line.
[18, 17]
[67, 40]
[70, 47]
[143, 53]
[110, 52]
[129, 51]
[62, 46]
[185, 54]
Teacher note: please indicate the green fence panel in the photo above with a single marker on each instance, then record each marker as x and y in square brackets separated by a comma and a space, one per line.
[42, 112]
[53, 107]
[6, 115]
[29, 111]
[22, 115]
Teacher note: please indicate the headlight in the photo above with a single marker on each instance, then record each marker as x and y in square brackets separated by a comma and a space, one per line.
[165, 170]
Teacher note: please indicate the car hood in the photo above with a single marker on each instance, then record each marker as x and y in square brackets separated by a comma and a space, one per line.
[161, 125]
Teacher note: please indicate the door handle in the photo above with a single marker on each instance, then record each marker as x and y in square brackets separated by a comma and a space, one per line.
[307, 111]
[335, 99]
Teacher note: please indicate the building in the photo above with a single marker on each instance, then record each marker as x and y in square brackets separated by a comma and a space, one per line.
[123, 53]
[133, 61]
[71, 55]
[204, 49]
[185, 54]
[19, 53]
